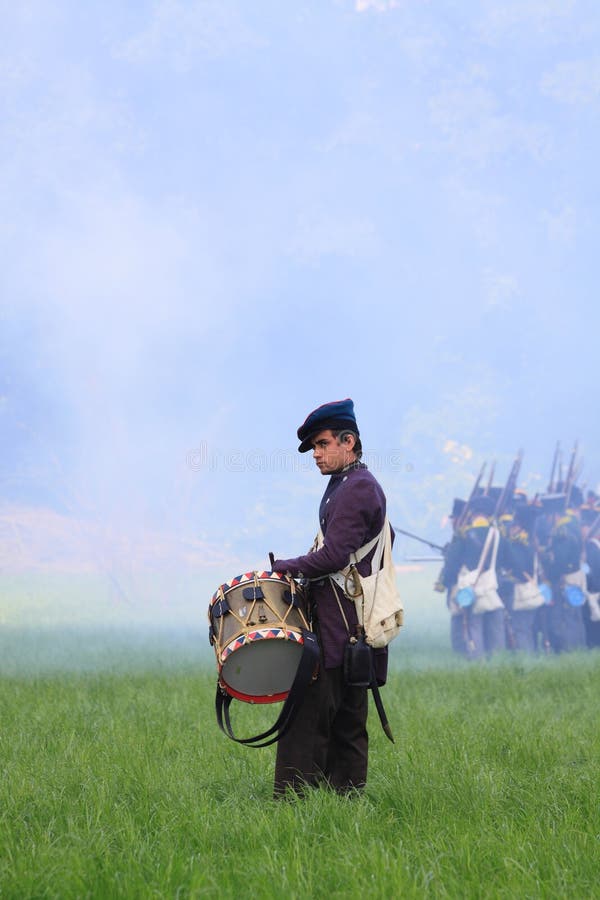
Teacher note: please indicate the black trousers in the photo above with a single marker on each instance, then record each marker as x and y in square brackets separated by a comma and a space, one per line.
[592, 629]
[328, 741]
[565, 625]
[477, 635]
[523, 629]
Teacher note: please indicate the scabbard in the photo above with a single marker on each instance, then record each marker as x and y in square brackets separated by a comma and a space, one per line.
[381, 711]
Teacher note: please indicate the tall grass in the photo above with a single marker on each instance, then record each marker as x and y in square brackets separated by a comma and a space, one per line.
[118, 784]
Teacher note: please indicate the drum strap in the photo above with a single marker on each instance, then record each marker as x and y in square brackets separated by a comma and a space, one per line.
[306, 669]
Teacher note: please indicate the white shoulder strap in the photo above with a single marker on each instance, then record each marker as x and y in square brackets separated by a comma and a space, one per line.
[363, 551]
[496, 545]
[383, 542]
[492, 535]
[383, 546]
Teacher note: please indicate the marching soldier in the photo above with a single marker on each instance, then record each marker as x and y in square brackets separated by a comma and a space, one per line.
[560, 543]
[459, 625]
[590, 522]
[470, 558]
[506, 583]
[520, 564]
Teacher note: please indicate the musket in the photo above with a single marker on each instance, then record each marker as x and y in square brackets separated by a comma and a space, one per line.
[416, 537]
[491, 478]
[560, 472]
[509, 487]
[551, 487]
[571, 473]
[463, 515]
[577, 473]
[546, 631]
[424, 559]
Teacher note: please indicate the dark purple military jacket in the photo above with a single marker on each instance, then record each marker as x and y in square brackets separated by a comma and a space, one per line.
[352, 513]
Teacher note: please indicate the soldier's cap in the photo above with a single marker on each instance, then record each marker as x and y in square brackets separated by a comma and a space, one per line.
[484, 506]
[337, 415]
[519, 497]
[495, 492]
[525, 516]
[553, 503]
[457, 507]
[589, 514]
[576, 497]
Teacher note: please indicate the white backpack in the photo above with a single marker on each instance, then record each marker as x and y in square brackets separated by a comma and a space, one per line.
[483, 582]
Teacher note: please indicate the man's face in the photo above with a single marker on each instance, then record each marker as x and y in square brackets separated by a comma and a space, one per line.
[331, 454]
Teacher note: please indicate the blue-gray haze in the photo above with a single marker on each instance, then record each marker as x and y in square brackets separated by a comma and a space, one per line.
[217, 216]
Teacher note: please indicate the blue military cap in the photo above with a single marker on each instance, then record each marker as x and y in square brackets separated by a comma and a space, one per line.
[525, 516]
[495, 493]
[589, 514]
[458, 506]
[553, 503]
[483, 506]
[336, 415]
[575, 497]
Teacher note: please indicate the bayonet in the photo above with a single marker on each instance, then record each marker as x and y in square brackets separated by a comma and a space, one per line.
[551, 485]
[464, 513]
[491, 478]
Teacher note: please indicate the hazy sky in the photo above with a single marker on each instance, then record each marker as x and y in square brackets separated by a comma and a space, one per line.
[218, 215]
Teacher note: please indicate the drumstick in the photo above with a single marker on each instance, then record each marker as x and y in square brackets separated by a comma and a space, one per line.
[272, 560]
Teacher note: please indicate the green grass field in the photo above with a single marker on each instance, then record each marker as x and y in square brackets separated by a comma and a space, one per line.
[116, 781]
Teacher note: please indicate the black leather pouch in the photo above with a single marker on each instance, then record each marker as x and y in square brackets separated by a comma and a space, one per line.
[358, 663]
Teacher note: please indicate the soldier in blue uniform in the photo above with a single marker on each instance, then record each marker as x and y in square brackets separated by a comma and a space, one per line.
[591, 542]
[475, 633]
[328, 742]
[561, 546]
[519, 564]
[460, 640]
[506, 582]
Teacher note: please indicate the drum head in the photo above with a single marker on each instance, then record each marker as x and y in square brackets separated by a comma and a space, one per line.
[262, 668]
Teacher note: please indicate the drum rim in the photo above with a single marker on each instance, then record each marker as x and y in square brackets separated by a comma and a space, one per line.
[259, 634]
[253, 698]
[242, 579]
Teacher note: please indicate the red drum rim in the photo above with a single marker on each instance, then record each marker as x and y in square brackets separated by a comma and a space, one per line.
[252, 698]
[242, 579]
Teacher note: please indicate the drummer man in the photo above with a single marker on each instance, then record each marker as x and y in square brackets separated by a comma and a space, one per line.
[328, 742]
